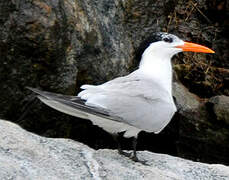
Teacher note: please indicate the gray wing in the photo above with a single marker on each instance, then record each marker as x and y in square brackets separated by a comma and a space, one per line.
[138, 101]
[73, 102]
[133, 85]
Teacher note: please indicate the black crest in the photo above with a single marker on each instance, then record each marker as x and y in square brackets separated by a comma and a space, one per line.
[154, 37]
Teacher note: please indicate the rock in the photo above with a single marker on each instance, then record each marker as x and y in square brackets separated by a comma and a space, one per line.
[24, 155]
[59, 45]
[199, 135]
[221, 108]
[184, 99]
[204, 80]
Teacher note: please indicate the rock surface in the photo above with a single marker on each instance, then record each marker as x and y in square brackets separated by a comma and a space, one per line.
[59, 45]
[200, 135]
[24, 155]
[221, 108]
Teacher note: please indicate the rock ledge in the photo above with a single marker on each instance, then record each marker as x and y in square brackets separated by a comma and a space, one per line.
[24, 155]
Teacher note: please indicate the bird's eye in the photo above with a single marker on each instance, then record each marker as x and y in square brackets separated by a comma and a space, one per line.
[169, 40]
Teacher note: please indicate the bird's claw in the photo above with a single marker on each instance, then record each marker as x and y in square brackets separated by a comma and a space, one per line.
[126, 154]
[132, 157]
[135, 159]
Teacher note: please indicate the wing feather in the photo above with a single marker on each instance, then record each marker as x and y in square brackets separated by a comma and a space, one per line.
[139, 102]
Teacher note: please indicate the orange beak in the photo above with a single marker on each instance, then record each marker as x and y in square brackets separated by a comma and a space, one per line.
[195, 48]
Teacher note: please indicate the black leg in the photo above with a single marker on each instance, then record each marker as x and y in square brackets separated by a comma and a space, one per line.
[134, 157]
[120, 151]
[129, 155]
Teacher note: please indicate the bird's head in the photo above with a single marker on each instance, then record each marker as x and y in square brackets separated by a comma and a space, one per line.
[164, 44]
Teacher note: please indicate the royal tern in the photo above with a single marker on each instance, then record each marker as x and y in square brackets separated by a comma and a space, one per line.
[139, 101]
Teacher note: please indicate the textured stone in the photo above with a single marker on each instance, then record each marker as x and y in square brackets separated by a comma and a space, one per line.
[59, 45]
[200, 136]
[184, 99]
[221, 108]
[24, 155]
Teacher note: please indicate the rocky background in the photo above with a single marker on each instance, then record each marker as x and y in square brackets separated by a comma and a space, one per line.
[58, 45]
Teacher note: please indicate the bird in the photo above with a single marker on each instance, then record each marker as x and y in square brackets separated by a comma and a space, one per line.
[139, 101]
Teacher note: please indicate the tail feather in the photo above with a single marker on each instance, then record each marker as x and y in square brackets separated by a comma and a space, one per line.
[75, 106]
[63, 108]
[73, 102]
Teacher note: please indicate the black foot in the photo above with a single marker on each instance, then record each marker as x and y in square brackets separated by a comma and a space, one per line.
[120, 151]
[135, 159]
[132, 156]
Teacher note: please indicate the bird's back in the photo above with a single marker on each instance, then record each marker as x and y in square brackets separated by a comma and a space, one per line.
[136, 99]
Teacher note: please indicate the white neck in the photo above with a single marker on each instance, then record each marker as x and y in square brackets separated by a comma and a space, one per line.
[157, 66]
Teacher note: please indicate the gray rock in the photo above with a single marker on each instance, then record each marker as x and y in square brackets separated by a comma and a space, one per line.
[60, 45]
[184, 99]
[200, 136]
[24, 155]
[221, 107]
